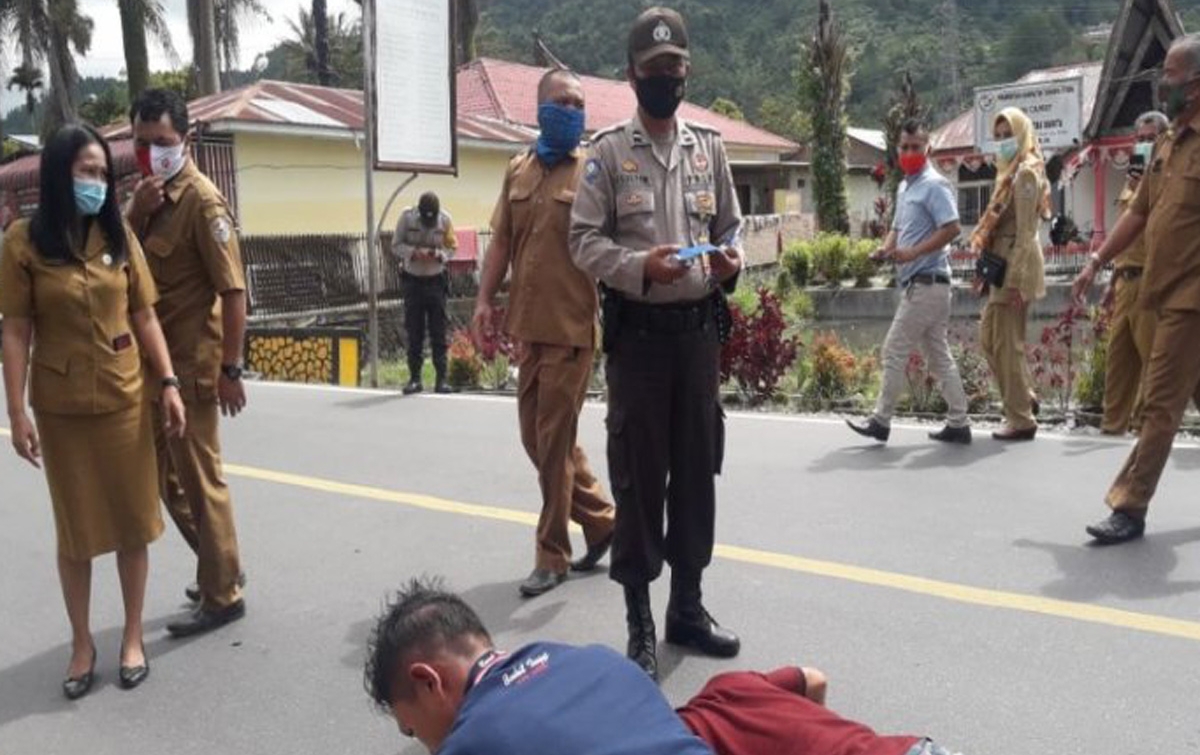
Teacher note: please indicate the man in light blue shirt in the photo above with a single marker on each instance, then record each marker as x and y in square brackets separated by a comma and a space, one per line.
[926, 221]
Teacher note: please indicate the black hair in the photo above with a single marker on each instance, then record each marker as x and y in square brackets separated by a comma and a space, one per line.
[421, 621]
[429, 204]
[551, 75]
[152, 104]
[56, 224]
[915, 127]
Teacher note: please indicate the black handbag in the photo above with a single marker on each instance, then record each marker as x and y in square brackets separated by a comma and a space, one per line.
[991, 269]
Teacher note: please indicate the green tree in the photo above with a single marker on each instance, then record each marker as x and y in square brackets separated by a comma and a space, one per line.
[214, 26]
[1034, 41]
[295, 59]
[137, 18]
[727, 108]
[320, 24]
[110, 106]
[824, 84]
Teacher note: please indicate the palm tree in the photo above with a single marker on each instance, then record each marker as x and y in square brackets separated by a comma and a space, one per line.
[47, 32]
[27, 78]
[320, 24]
[217, 43]
[300, 57]
[137, 18]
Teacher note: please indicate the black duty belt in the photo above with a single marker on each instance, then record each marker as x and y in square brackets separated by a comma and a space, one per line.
[1128, 273]
[927, 279]
[666, 318]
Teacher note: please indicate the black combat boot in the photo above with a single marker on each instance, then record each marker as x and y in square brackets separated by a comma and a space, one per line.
[643, 644]
[690, 625]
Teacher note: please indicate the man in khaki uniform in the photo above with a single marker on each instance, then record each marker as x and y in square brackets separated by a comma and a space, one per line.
[652, 185]
[552, 314]
[1131, 328]
[188, 233]
[1167, 208]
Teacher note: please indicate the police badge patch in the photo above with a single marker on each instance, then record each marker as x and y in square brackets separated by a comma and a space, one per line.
[221, 230]
[591, 170]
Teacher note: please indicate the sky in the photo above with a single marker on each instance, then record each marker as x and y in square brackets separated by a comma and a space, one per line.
[106, 57]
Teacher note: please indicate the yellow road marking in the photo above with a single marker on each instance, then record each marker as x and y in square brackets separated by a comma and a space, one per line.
[1084, 612]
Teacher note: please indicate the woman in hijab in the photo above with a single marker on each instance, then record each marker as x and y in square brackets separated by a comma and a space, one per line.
[1009, 230]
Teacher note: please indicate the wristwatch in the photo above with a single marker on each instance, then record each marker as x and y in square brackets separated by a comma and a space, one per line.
[170, 381]
[232, 371]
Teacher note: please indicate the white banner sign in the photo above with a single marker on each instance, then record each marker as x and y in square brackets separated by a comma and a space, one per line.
[1055, 107]
[413, 77]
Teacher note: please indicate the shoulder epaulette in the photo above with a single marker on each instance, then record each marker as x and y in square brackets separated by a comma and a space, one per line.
[606, 132]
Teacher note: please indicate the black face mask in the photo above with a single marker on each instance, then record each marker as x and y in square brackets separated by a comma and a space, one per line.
[660, 95]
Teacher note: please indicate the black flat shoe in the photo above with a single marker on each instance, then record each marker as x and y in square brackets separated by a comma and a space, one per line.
[541, 581]
[414, 386]
[76, 687]
[1006, 434]
[950, 434]
[1118, 528]
[203, 620]
[132, 676]
[192, 591]
[592, 557]
[871, 429]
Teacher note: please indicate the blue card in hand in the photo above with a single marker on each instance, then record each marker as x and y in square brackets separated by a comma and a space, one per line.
[693, 252]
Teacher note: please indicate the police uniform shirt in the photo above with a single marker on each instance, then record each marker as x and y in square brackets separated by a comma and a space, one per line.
[1169, 197]
[551, 699]
[85, 356]
[192, 247]
[411, 234]
[630, 201]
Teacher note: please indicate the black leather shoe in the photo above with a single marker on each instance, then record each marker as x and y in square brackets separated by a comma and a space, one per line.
[592, 557]
[1008, 434]
[639, 618]
[1035, 406]
[950, 434]
[132, 676]
[203, 620]
[1119, 527]
[541, 581]
[871, 429]
[690, 625]
[443, 387]
[75, 687]
[192, 591]
[413, 386]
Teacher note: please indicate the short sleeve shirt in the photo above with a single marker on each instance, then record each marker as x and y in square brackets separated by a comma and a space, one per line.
[924, 204]
[550, 699]
[85, 356]
[192, 246]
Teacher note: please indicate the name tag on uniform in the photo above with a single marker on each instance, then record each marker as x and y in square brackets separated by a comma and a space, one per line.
[122, 342]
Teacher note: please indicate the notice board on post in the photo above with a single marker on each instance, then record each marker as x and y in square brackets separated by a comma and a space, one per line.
[413, 86]
[1055, 108]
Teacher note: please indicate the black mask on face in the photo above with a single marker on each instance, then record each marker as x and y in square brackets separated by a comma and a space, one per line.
[660, 95]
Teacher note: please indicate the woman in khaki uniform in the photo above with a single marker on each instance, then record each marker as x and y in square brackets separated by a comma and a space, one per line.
[74, 284]
[1009, 229]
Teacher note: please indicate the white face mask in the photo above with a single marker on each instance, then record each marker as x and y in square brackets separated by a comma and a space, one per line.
[166, 162]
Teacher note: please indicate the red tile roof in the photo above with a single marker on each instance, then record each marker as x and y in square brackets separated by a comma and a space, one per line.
[506, 91]
[959, 134]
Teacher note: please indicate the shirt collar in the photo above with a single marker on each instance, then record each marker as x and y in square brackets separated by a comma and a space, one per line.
[482, 665]
[175, 188]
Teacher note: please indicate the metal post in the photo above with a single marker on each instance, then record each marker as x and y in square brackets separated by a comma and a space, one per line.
[368, 32]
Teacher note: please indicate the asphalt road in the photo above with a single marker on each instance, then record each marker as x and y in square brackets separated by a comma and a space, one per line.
[946, 591]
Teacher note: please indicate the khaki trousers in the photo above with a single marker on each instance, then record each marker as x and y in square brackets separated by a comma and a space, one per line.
[1171, 378]
[1130, 340]
[921, 323]
[193, 488]
[1002, 338]
[551, 387]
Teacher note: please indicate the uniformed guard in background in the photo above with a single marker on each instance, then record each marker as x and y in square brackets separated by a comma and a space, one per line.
[191, 244]
[653, 185]
[425, 241]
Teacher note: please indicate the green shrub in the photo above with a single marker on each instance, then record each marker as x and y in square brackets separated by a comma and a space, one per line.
[860, 266]
[799, 308]
[828, 255]
[796, 262]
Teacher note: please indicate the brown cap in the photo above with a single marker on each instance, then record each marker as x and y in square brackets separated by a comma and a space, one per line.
[657, 31]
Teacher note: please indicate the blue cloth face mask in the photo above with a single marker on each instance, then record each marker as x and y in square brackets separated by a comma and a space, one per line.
[561, 129]
[90, 196]
[1006, 149]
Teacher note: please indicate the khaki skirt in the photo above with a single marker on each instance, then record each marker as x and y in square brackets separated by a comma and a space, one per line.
[103, 480]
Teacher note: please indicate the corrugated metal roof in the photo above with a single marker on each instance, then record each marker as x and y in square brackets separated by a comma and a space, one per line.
[959, 133]
[870, 136]
[504, 90]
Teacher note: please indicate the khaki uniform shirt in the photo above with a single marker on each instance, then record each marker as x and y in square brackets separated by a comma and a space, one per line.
[550, 300]
[412, 235]
[630, 201]
[1135, 255]
[1017, 239]
[85, 354]
[1169, 197]
[192, 247]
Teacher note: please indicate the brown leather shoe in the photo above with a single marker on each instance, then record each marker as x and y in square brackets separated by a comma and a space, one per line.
[1008, 434]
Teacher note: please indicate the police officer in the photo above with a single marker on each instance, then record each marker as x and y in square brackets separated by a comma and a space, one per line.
[1131, 327]
[1167, 208]
[653, 184]
[424, 241]
[187, 230]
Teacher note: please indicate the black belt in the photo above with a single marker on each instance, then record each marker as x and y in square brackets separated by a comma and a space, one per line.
[1128, 273]
[666, 318]
[927, 279]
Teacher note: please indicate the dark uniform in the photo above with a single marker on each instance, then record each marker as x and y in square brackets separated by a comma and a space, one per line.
[425, 286]
[665, 423]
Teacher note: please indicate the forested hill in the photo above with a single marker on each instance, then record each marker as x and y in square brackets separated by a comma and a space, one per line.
[746, 50]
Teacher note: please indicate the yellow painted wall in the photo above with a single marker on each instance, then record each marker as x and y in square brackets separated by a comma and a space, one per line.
[294, 184]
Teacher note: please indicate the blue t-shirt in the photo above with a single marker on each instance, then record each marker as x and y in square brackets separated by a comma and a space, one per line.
[549, 699]
[924, 203]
